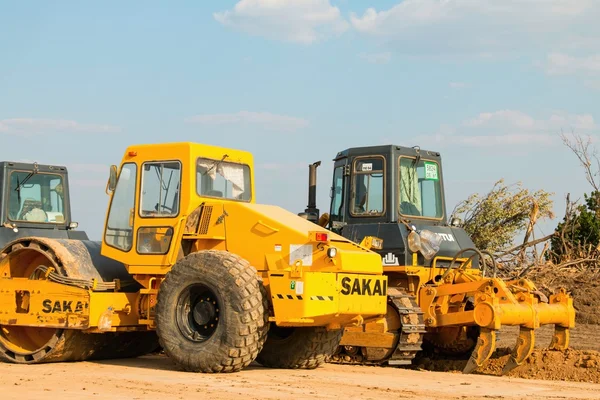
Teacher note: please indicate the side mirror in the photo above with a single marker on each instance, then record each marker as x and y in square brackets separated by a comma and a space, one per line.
[112, 179]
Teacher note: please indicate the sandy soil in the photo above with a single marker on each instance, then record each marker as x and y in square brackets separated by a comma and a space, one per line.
[580, 363]
[156, 377]
[583, 337]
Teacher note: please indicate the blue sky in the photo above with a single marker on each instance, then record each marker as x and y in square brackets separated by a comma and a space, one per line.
[488, 84]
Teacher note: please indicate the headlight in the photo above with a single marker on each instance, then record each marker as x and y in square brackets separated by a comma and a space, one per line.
[331, 252]
[414, 241]
[430, 243]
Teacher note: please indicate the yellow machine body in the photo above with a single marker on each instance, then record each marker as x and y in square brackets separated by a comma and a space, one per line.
[439, 316]
[313, 277]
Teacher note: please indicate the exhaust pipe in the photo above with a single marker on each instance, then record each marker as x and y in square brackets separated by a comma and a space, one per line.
[311, 212]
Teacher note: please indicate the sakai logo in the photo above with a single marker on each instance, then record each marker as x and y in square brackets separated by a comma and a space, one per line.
[390, 259]
[447, 237]
[364, 287]
[50, 306]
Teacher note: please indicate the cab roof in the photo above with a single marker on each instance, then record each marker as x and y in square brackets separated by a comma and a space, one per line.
[186, 150]
[385, 149]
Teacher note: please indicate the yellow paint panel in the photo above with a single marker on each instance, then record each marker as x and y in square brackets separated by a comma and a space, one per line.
[319, 294]
[257, 230]
[47, 304]
[365, 295]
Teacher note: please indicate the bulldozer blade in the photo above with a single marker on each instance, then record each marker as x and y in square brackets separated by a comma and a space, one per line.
[486, 344]
[522, 350]
[560, 339]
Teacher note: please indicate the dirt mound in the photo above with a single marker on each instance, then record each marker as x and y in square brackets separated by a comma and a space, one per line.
[571, 365]
[584, 287]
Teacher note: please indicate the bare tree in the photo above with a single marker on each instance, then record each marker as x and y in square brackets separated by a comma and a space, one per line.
[588, 157]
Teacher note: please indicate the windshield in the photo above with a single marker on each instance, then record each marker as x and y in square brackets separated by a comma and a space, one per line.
[218, 178]
[420, 189]
[36, 197]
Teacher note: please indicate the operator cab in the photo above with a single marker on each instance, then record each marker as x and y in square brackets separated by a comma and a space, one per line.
[34, 201]
[389, 191]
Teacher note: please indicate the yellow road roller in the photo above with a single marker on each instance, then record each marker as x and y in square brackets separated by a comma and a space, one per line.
[188, 261]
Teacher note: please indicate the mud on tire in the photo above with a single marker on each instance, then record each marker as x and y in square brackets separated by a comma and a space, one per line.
[212, 312]
[305, 348]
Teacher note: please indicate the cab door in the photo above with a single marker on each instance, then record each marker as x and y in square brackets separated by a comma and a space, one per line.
[145, 214]
[337, 210]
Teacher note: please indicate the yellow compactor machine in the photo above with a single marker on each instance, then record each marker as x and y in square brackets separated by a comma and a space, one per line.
[190, 261]
[444, 294]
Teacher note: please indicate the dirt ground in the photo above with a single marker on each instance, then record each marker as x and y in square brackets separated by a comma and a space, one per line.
[155, 376]
[580, 363]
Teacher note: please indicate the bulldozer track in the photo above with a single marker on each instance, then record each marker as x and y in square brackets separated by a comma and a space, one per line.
[411, 334]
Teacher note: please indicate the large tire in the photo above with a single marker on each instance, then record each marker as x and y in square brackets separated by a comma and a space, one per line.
[295, 348]
[222, 334]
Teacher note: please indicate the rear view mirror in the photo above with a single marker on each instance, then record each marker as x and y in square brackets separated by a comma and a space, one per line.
[112, 179]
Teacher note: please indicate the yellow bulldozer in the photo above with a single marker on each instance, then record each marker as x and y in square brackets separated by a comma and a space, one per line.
[443, 293]
[189, 260]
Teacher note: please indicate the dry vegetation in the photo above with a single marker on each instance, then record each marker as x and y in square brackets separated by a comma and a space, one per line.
[568, 258]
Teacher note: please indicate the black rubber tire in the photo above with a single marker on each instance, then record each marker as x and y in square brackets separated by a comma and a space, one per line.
[305, 348]
[243, 317]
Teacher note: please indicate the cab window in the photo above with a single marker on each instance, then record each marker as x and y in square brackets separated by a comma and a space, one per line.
[420, 188]
[119, 227]
[337, 195]
[368, 187]
[36, 197]
[161, 182]
[223, 179]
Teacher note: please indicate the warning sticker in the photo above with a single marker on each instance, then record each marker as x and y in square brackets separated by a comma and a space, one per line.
[367, 167]
[302, 252]
[299, 287]
[431, 171]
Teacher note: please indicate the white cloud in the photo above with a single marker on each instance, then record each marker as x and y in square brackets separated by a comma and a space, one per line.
[377, 58]
[512, 127]
[34, 126]
[88, 182]
[283, 167]
[265, 119]
[503, 118]
[459, 85]
[482, 27]
[563, 64]
[299, 21]
[89, 168]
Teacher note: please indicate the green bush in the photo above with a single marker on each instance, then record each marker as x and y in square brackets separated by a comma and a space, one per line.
[578, 234]
[494, 220]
